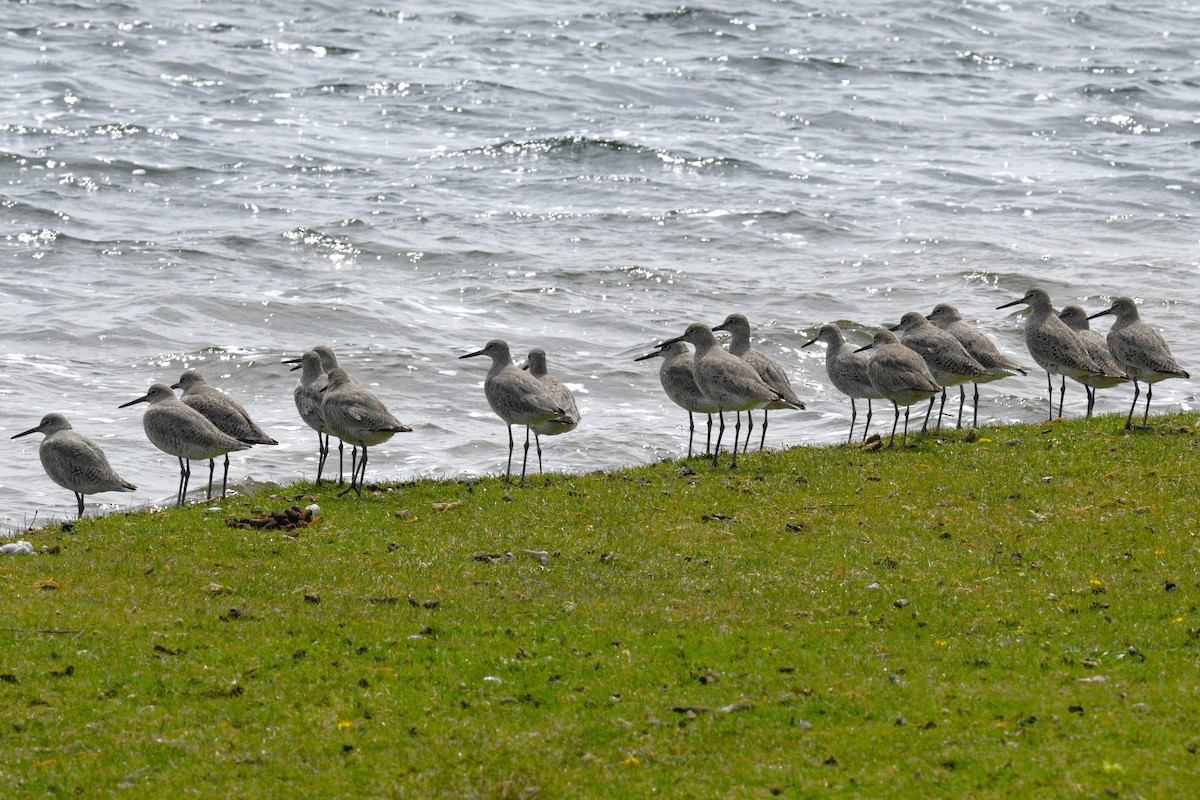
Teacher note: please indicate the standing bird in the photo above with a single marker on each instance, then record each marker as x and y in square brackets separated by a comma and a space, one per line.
[1140, 350]
[329, 363]
[678, 380]
[981, 348]
[73, 461]
[223, 411]
[535, 363]
[948, 360]
[1077, 320]
[308, 396]
[1054, 346]
[517, 397]
[899, 374]
[768, 371]
[183, 432]
[727, 380]
[356, 416]
[847, 370]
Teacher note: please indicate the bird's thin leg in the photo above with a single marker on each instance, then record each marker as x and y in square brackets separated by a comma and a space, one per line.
[212, 463]
[928, 411]
[341, 461]
[537, 440]
[225, 476]
[358, 469]
[1091, 396]
[1050, 389]
[1062, 390]
[720, 433]
[868, 423]
[962, 399]
[763, 439]
[708, 438]
[895, 422]
[904, 440]
[1146, 413]
[975, 416]
[508, 469]
[185, 472]
[691, 432]
[322, 453]
[359, 477]
[736, 432]
[1132, 406]
[362, 471]
[853, 415]
[525, 460]
[79, 500]
[941, 408]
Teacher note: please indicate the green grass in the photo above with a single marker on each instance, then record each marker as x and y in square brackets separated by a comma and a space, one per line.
[1015, 616]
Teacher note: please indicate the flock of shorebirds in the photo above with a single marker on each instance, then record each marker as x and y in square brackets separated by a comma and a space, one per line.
[929, 354]
[913, 361]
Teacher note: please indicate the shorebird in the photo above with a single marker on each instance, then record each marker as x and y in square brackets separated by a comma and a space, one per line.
[948, 361]
[1077, 320]
[73, 461]
[678, 380]
[727, 380]
[183, 432]
[847, 370]
[1053, 345]
[899, 374]
[768, 371]
[535, 363]
[981, 348]
[517, 397]
[1140, 350]
[223, 411]
[329, 363]
[356, 416]
[307, 396]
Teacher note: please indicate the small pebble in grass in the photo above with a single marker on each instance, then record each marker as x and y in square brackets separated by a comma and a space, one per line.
[900, 603]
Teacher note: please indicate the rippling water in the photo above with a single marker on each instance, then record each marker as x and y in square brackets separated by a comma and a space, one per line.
[221, 185]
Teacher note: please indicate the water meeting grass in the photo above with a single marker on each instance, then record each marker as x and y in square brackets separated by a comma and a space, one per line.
[1012, 612]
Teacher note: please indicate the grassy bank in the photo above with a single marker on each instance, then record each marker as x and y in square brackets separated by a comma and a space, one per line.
[1014, 616]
